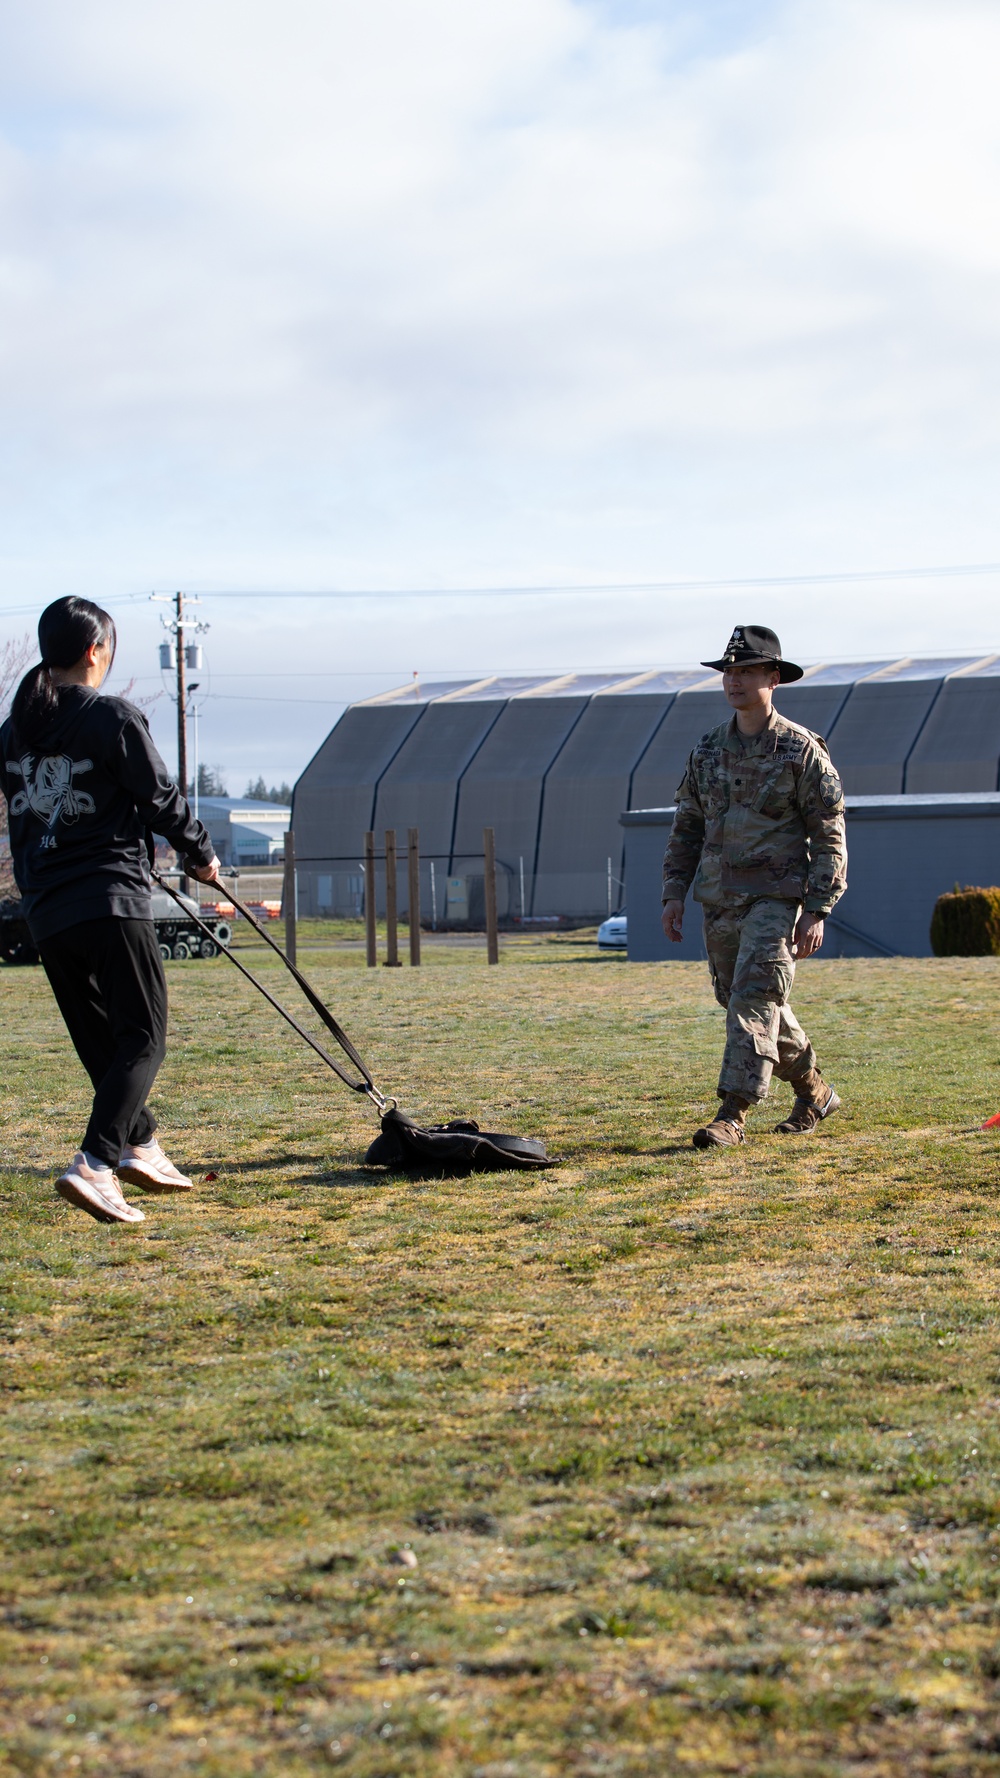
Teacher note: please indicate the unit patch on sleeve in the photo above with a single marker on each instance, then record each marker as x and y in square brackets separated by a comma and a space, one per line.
[830, 789]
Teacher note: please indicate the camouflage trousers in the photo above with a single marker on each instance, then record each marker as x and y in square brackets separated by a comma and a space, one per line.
[749, 944]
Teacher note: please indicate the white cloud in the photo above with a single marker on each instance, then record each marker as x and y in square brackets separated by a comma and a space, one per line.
[383, 294]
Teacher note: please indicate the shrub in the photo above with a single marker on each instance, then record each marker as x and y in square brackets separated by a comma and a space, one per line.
[966, 923]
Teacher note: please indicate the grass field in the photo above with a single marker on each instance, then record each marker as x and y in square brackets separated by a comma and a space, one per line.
[660, 1462]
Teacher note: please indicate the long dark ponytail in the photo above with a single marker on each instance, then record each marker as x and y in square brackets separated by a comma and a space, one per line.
[66, 629]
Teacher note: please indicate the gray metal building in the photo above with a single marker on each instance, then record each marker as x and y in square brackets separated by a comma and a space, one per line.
[904, 851]
[551, 763]
[244, 831]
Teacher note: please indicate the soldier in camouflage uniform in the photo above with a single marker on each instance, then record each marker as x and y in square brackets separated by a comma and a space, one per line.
[759, 829]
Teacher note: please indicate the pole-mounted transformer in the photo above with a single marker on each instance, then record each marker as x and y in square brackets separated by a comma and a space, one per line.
[178, 656]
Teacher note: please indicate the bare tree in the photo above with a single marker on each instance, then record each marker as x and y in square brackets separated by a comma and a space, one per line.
[15, 654]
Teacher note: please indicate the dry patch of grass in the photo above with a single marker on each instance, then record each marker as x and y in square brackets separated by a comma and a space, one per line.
[659, 1462]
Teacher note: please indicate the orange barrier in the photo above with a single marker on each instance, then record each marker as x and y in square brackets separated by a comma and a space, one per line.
[268, 910]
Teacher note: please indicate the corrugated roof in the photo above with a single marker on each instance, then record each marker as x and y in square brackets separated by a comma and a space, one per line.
[668, 679]
[227, 805]
[659, 680]
[498, 686]
[419, 692]
[936, 668]
[842, 672]
[575, 685]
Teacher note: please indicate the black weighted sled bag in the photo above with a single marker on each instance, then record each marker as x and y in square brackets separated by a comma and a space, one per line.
[456, 1148]
[403, 1147]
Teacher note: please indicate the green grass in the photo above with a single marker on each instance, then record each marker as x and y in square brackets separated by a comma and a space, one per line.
[661, 1462]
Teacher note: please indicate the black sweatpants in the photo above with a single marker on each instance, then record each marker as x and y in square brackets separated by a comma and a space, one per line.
[107, 977]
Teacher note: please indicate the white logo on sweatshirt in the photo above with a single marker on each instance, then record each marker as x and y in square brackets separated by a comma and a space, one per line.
[48, 788]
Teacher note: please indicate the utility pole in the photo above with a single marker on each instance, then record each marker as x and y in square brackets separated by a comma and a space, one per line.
[175, 628]
[192, 687]
[182, 735]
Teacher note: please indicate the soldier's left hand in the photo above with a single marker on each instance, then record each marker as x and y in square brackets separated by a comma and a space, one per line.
[808, 934]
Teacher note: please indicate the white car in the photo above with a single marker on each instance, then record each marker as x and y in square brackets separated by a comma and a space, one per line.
[613, 934]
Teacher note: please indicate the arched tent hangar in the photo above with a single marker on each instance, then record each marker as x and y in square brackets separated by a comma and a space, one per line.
[551, 764]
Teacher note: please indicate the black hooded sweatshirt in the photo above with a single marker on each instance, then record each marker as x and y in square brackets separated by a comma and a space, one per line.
[82, 807]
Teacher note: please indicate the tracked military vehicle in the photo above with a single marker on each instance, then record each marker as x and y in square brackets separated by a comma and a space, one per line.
[179, 936]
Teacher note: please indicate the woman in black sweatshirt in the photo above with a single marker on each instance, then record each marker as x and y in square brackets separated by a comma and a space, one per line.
[85, 790]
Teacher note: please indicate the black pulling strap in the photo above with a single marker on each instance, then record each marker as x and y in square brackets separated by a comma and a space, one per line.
[366, 1084]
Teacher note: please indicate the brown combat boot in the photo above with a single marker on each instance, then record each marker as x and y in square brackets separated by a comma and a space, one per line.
[726, 1128]
[814, 1100]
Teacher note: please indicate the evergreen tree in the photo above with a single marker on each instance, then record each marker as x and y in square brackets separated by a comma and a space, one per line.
[211, 781]
[259, 792]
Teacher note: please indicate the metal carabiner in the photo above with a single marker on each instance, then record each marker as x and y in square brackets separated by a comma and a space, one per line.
[380, 1102]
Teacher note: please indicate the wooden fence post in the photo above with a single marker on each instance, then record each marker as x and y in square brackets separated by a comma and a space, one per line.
[413, 867]
[490, 886]
[391, 935]
[290, 896]
[371, 945]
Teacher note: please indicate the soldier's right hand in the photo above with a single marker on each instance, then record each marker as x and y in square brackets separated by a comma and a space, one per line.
[673, 920]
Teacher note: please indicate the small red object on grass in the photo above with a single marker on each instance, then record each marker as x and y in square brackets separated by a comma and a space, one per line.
[209, 1177]
[991, 1122]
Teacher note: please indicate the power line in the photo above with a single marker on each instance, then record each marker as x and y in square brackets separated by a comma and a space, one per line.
[254, 698]
[406, 672]
[962, 570]
[431, 674]
[619, 586]
[459, 674]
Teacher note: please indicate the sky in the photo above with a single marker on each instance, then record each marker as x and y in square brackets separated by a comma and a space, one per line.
[684, 314]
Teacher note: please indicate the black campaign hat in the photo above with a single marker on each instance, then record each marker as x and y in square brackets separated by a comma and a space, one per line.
[751, 645]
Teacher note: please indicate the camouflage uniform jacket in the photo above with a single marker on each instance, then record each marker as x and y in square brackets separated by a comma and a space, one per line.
[761, 815]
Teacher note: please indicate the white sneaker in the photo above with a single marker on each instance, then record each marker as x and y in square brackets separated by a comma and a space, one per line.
[149, 1167]
[93, 1187]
